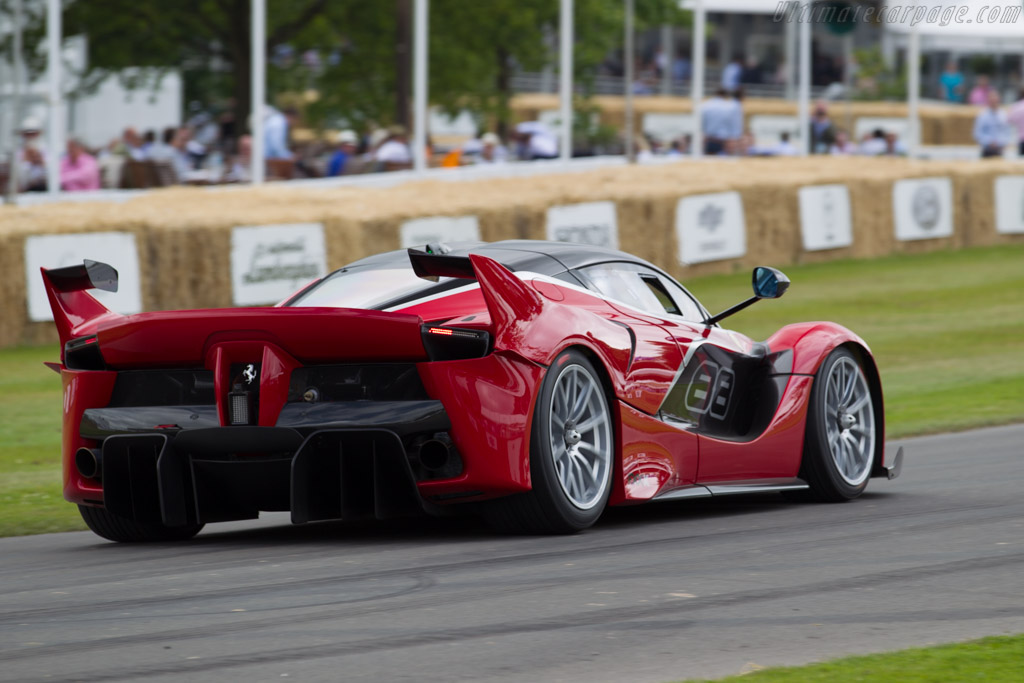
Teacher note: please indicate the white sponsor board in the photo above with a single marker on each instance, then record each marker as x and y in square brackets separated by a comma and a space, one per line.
[56, 251]
[923, 208]
[710, 227]
[269, 262]
[420, 231]
[588, 223]
[668, 127]
[767, 130]
[825, 217]
[1010, 204]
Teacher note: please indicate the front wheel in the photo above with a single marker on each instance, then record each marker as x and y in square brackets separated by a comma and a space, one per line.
[572, 452]
[839, 448]
[123, 530]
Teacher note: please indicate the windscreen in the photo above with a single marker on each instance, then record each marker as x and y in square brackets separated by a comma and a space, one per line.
[368, 287]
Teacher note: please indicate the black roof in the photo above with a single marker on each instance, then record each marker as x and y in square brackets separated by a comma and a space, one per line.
[538, 256]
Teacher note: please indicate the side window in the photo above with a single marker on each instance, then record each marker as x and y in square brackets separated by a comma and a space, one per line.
[685, 303]
[641, 288]
[622, 282]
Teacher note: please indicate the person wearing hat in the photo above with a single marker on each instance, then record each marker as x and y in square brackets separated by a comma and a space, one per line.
[491, 150]
[347, 143]
[32, 157]
[394, 153]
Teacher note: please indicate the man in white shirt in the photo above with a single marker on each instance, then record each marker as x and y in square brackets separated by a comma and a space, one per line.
[991, 128]
[276, 126]
[394, 153]
[722, 121]
[732, 74]
[537, 141]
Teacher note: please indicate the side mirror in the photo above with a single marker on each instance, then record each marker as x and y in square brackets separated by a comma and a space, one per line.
[769, 283]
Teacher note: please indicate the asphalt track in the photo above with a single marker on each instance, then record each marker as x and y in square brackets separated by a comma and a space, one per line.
[654, 593]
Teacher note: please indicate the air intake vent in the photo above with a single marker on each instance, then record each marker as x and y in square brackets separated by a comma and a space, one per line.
[242, 407]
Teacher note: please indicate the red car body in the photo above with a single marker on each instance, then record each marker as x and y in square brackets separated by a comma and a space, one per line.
[195, 463]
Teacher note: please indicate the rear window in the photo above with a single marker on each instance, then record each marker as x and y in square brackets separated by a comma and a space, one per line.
[370, 288]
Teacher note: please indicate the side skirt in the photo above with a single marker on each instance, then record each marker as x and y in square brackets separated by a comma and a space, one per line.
[733, 488]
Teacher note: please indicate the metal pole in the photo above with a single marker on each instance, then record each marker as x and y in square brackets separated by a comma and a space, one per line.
[55, 141]
[697, 79]
[13, 184]
[804, 94]
[566, 44]
[666, 51]
[629, 57]
[913, 88]
[421, 34]
[790, 54]
[258, 89]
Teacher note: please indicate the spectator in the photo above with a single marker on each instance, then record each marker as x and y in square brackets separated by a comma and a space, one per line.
[752, 72]
[32, 166]
[163, 150]
[681, 67]
[148, 140]
[491, 150]
[78, 169]
[951, 83]
[276, 128]
[784, 148]
[1016, 119]
[874, 144]
[718, 121]
[732, 73]
[979, 93]
[843, 145]
[394, 153]
[181, 158]
[823, 133]
[133, 148]
[347, 142]
[893, 145]
[991, 128]
[536, 141]
[241, 164]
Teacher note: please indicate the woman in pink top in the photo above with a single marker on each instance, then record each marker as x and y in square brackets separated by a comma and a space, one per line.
[1016, 119]
[78, 170]
[979, 93]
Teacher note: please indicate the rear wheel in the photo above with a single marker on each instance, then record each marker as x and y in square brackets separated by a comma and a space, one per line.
[839, 448]
[123, 530]
[572, 452]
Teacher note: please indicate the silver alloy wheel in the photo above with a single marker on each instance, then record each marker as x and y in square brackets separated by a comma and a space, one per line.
[581, 436]
[849, 421]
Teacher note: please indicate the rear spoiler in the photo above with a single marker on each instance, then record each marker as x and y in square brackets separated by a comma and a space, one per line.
[511, 302]
[89, 275]
[75, 311]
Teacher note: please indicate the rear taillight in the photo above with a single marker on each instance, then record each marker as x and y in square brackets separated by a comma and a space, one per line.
[83, 353]
[453, 343]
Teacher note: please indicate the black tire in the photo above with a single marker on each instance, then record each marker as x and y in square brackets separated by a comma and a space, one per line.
[548, 508]
[838, 461]
[115, 528]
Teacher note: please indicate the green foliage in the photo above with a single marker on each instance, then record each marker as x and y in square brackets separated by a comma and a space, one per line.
[875, 80]
[474, 47]
[989, 660]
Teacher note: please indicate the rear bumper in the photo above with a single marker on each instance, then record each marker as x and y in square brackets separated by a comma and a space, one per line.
[201, 475]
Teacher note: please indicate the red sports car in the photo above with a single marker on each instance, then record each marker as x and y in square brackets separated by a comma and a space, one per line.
[533, 382]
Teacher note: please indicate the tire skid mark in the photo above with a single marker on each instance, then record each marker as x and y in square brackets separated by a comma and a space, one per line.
[597, 617]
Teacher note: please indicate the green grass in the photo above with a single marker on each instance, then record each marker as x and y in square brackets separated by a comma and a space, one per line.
[998, 659]
[31, 500]
[947, 329]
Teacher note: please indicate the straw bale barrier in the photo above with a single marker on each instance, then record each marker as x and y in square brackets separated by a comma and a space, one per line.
[183, 236]
[940, 124]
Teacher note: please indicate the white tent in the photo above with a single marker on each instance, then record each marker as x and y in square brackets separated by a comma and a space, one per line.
[700, 9]
[966, 25]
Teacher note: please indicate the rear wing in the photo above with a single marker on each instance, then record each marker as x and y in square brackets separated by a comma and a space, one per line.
[75, 311]
[511, 302]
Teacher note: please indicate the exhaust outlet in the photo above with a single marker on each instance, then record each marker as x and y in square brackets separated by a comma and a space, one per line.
[89, 462]
[434, 454]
